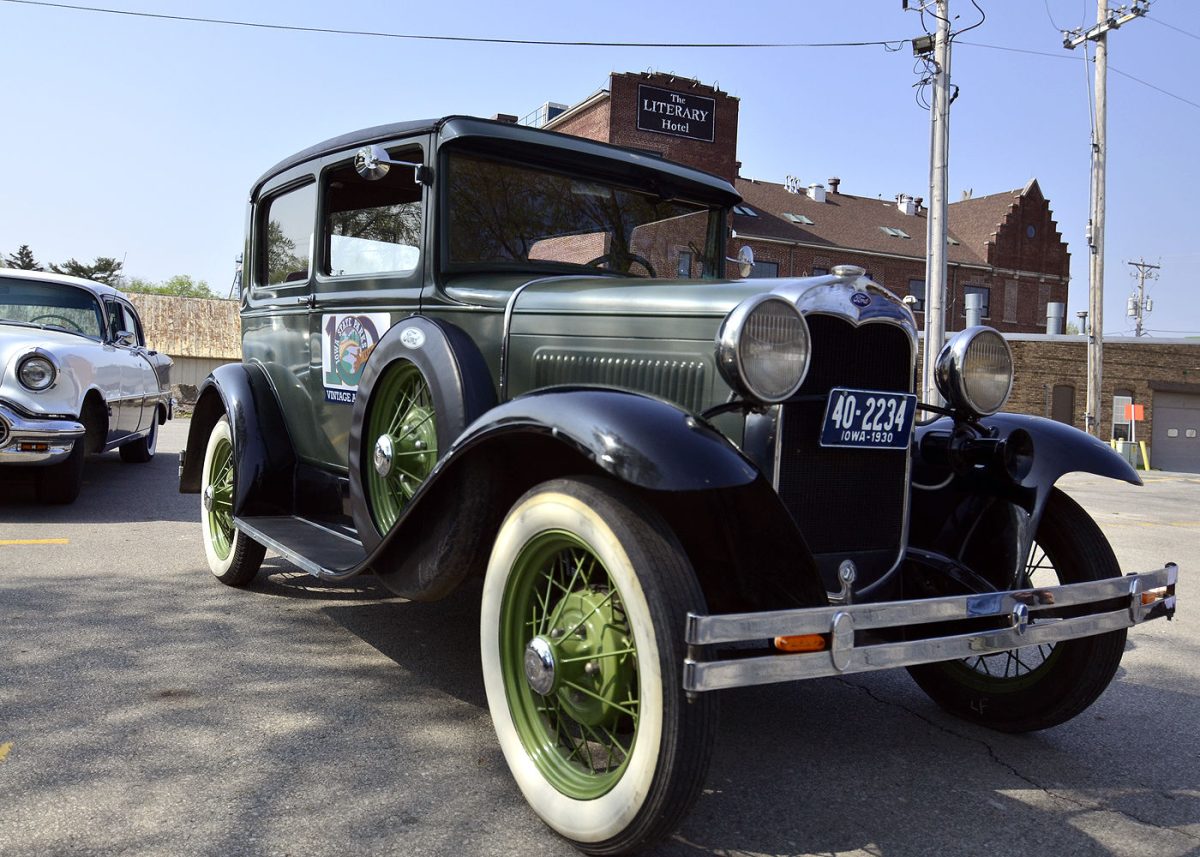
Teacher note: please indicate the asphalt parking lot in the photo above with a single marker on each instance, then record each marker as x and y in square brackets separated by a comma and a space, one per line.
[147, 709]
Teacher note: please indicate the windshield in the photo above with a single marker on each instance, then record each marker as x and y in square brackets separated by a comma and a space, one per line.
[512, 214]
[61, 307]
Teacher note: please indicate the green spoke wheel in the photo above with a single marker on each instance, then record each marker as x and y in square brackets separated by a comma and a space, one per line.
[1036, 687]
[581, 637]
[232, 555]
[400, 442]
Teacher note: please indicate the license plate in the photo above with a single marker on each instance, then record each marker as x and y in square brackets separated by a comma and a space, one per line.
[868, 418]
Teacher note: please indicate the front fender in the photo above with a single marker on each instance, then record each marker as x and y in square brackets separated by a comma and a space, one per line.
[743, 545]
[265, 460]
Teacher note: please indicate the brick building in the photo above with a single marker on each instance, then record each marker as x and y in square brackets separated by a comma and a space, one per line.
[1006, 247]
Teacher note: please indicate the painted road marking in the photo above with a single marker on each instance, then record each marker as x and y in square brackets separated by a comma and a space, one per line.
[4, 748]
[34, 541]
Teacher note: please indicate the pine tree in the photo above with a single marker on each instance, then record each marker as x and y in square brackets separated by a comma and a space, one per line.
[104, 270]
[23, 259]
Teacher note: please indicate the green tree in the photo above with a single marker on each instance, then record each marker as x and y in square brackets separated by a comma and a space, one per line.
[104, 270]
[181, 285]
[23, 259]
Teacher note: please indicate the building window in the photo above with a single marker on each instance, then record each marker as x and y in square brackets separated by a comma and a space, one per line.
[765, 269]
[916, 288]
[1010, 300]
[984, 299]
[684, 269]
[1062, 406]
[745, 211]
[894, 232]
[818, 271]
[798, 218]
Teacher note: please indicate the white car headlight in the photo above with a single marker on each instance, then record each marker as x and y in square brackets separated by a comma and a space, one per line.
[763, 348]
[975, 371]
[36, 373]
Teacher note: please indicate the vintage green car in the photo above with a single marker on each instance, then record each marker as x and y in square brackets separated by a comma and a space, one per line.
[479, 350]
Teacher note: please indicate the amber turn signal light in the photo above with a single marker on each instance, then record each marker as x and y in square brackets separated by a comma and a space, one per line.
[801, 643]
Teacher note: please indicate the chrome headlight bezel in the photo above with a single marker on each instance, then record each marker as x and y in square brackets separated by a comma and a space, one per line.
[51, 371]
[953, 369]
[731, 356]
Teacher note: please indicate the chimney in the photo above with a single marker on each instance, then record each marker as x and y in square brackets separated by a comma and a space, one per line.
[906, 204]
[816, 192]
[920, 201]
[505, 117]
[833, 184]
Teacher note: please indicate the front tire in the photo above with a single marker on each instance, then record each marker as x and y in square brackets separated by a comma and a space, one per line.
[1038, 686]
[233, 557]
[59, 484]
[593, 587]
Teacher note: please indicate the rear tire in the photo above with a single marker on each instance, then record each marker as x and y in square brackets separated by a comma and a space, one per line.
[59, 484]
[609, 753]
[141, 450]
[1038, 687]
[233, 557]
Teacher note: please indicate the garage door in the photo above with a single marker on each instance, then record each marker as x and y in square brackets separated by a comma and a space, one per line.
[1176, 441]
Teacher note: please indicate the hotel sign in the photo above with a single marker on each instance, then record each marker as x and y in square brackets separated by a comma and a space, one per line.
[680, 115]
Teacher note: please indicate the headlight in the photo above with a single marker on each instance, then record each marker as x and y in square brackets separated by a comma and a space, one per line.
[975, 371]
[36, 373]
[763, 348]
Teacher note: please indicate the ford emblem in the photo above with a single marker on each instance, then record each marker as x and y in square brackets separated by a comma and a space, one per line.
[860, 299]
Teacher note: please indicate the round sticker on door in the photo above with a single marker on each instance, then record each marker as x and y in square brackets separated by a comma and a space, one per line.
[412, 337]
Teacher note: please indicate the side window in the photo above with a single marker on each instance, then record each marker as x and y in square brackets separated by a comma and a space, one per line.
[372, 227]
[285, 237]
[129, 321]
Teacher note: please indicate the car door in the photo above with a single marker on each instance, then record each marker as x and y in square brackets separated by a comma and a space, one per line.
[126, 396]
[144, 383]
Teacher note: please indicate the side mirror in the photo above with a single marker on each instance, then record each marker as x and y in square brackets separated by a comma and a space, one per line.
[126, 338]
[745, 260]
[373, 163]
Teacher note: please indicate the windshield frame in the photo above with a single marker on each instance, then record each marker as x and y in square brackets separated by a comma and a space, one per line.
[712, 252]
[22, 283]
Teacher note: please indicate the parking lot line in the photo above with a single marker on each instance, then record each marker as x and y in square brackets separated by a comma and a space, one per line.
[34, 541]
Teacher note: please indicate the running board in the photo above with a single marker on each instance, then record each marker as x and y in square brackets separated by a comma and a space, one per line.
[316, 549]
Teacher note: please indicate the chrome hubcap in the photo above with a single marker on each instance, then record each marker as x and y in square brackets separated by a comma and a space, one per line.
[384, 452]
[208, 499]
[539, 666]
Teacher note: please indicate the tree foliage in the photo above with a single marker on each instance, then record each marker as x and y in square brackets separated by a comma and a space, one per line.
[181, 285]
[104, 270]
[23, 260]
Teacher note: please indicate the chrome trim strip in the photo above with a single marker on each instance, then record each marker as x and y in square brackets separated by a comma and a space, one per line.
[845, 656]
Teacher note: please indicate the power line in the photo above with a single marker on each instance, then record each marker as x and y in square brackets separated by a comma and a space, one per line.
[1176, 29]
[1155, 88]
[229, 22]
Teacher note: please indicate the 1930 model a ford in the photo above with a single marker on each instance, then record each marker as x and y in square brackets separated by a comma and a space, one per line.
[462, 359]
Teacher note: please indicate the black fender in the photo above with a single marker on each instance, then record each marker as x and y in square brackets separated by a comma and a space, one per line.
[951, 506]
[744, 546]
[459, 382]
[265, 459]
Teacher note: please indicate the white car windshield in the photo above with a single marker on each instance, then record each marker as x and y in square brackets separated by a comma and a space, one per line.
[50, 305]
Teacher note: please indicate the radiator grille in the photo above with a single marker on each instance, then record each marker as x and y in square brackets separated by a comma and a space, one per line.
[846, 501]
[678, 381]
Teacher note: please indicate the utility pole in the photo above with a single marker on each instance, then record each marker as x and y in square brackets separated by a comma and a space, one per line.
[1139, 304]
[935, 237]
[1106, 20]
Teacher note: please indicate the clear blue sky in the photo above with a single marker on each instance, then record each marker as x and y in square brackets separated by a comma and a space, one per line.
[140, 138]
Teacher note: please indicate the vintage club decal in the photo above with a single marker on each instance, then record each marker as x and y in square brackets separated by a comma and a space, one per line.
[346, 343]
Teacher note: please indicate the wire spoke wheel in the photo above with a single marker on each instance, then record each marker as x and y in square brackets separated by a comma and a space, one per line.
[581, 730]
[233, 557]
[400, 443]
[220, 508]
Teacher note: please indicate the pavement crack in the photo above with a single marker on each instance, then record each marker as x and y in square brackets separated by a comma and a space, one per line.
[1081, 805]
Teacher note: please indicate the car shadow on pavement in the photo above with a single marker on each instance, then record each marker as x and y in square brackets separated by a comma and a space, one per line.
[113, 492]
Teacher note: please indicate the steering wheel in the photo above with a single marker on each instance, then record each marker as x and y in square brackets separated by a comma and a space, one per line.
[632, 257]
[73, 324]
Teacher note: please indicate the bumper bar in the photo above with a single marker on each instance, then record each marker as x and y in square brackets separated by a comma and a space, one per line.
[1143, 597]
[25, 440]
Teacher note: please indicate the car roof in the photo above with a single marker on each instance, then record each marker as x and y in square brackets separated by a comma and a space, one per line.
[98, 289]
[457, 127]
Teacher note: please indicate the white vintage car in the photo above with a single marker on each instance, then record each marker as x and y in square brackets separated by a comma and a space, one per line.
[75, 378]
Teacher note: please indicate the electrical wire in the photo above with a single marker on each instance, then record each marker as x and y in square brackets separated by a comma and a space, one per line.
[229, 22]
[1172, 27]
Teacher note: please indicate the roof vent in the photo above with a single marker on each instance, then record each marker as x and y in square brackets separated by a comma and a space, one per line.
[792, 184]
[833, 184]
[816, 192]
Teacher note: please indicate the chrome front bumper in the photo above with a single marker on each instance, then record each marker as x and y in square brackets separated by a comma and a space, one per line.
[1143, 597]
[25, 440]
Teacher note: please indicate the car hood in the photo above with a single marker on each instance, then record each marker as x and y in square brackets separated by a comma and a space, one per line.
[71, 353]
